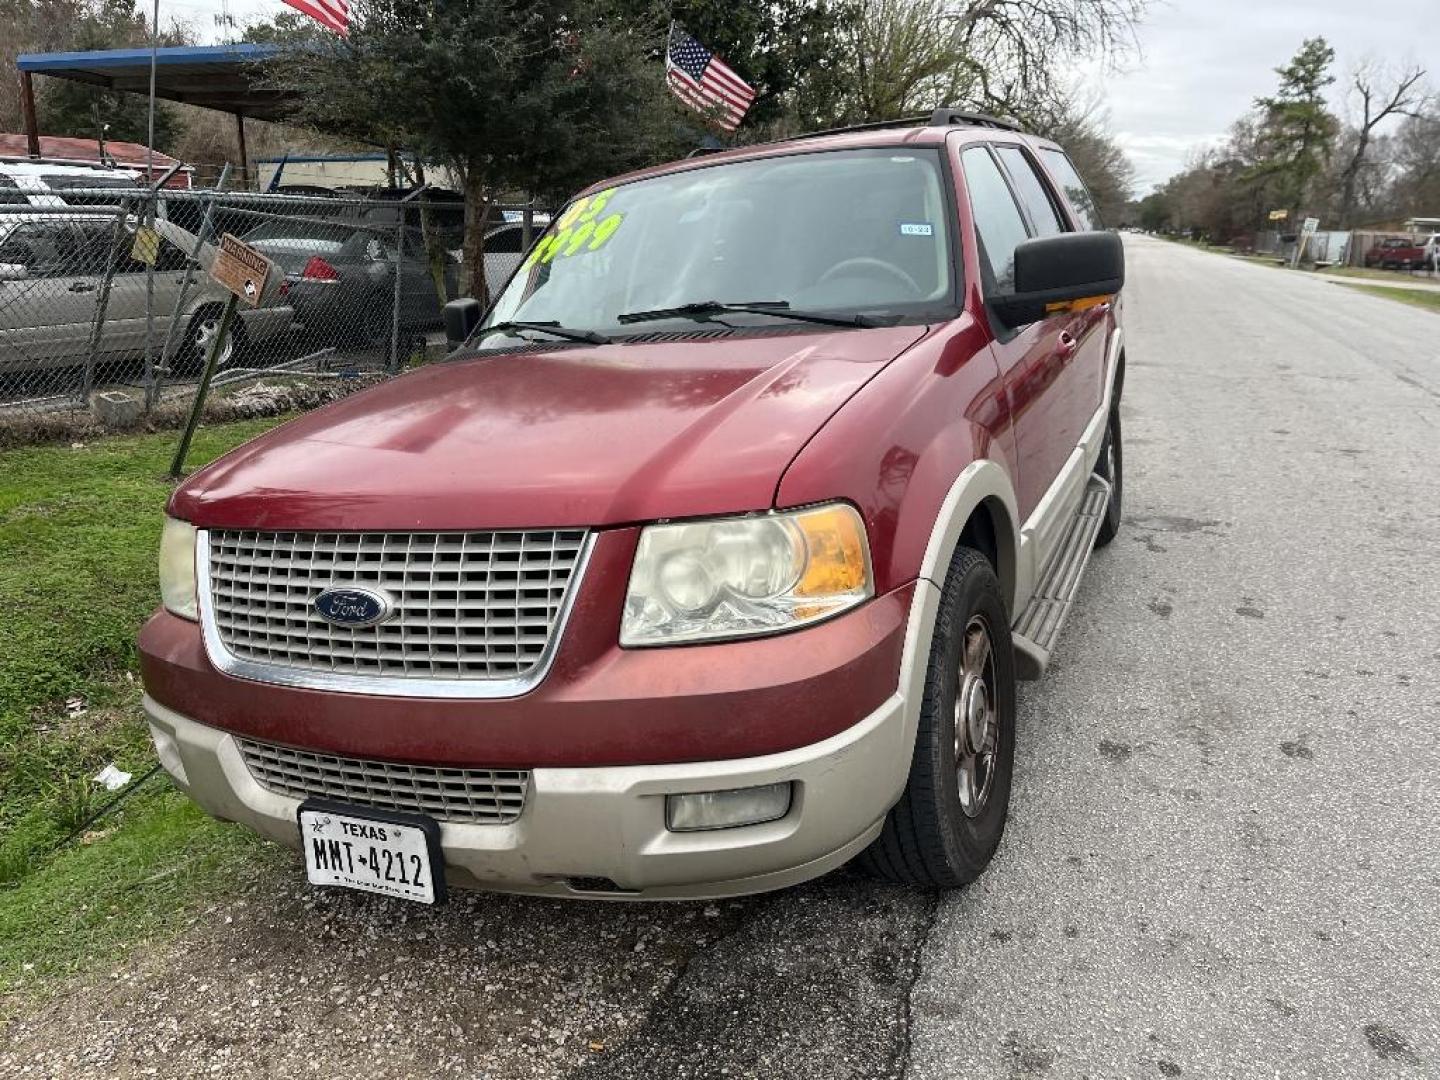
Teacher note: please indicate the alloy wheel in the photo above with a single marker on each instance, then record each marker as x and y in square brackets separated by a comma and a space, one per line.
[977, 723]
[203, 335]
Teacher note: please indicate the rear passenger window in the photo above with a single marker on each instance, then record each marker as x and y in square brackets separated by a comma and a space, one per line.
[1075, 189]
[998, 223]
[1032, 191]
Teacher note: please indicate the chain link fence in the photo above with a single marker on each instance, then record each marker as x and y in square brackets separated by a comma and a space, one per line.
[107, 308]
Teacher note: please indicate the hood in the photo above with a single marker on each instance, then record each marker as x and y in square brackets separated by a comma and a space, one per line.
[570, 437]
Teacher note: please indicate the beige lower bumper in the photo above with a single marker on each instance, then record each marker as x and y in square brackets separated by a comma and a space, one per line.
[609, 823]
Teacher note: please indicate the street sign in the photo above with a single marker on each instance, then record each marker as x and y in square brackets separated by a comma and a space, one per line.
[242, 270]
[1310, 226]
[1279, 215]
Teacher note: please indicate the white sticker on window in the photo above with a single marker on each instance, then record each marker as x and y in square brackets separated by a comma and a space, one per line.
[916, 228]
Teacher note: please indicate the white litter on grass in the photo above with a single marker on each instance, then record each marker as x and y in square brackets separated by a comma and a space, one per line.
[111, 778]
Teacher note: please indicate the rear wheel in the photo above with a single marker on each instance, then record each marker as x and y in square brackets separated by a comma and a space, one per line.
[1111, 467]
[374, 321]
[947, 825]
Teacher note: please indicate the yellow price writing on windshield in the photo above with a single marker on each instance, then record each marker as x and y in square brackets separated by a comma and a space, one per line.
[576, 232]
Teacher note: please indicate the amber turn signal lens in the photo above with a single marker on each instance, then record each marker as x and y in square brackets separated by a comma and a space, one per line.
[838, 562]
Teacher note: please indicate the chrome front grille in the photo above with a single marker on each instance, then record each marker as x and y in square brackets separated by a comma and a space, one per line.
[470, 607]
[471, 796]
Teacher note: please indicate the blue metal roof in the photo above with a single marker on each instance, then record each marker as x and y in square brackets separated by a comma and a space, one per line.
[212, 76]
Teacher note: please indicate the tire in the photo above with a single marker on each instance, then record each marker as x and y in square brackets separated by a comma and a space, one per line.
[195, 347]
[1112, 467]
[374, 321]
[948, 823]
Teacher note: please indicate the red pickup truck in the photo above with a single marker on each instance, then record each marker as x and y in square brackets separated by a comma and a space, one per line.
[1402, 253]
[708, 560]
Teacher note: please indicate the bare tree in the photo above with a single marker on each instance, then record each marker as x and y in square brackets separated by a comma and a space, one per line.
[997, 55]
[1375, 104]
[1010, 46]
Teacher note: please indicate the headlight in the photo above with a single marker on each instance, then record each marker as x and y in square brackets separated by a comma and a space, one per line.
[177, 568]
[741, 577]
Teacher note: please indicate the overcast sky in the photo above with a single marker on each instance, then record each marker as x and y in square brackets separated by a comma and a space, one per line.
[1201, 62]
[1204, 61]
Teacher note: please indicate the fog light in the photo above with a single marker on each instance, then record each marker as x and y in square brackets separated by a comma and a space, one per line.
[726, 809]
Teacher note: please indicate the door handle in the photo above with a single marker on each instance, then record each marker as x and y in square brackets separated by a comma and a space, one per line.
[1067, 344]
[81, 286]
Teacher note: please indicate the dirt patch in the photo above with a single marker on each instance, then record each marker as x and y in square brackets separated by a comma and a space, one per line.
[306, 982]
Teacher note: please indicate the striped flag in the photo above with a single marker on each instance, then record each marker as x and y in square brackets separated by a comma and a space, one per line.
[702, 80]
[331, 14]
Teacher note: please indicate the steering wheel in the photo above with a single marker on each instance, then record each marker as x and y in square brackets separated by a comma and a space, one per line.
[848, 267]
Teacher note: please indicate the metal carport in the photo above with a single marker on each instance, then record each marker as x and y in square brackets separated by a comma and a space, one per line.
[220, 77]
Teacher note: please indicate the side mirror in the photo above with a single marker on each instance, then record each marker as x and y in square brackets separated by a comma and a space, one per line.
[1053, 272]
[461, 318]
[14, 271]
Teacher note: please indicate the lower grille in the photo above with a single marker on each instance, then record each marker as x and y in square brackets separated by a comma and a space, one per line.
[467, 796]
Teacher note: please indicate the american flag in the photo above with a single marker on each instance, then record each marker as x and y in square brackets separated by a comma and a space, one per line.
[702, 80]
[331, 14]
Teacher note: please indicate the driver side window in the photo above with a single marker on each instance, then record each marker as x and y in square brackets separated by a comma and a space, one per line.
[33, 246]
[999, 227]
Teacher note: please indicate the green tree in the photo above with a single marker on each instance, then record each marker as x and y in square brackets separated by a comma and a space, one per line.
[1297, 131]
[72, 108]
[791, 51]
[514, 96]
[286, 28]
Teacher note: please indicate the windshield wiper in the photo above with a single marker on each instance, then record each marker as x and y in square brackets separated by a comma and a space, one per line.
[593, 337]
[704, 309]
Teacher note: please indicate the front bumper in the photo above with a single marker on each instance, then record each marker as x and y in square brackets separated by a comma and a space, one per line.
[581, 826]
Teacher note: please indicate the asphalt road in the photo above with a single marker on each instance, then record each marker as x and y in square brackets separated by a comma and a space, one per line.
[1224, 850]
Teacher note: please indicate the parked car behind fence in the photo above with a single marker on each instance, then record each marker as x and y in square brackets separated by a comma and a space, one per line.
[82, 312]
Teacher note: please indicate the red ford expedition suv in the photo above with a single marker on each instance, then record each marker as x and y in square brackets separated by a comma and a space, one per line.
[705, 563]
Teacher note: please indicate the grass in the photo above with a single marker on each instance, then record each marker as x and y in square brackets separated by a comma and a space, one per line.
[137, 878]
[79, 528]
[1368, 273]
[1430, 300]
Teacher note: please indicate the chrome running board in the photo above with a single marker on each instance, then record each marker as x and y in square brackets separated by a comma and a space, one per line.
[1038, 628]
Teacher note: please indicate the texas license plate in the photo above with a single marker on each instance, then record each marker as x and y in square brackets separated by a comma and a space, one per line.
[375, 851]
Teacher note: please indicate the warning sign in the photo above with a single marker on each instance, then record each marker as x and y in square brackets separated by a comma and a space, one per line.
[242, 270]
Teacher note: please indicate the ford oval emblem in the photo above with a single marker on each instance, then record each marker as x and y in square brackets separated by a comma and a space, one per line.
[353, 606]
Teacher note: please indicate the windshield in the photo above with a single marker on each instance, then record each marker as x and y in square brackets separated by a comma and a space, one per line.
[859, 231]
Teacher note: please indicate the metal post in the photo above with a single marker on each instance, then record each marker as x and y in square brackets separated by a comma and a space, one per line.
[527, 223]
[102, 303]
[152, 389]
[27, 110]
[399, 248]
[244, 159]
[395, 306]
[227, 316]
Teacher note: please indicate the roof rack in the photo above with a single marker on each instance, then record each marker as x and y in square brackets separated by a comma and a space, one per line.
[942, 117]
[945, 117]
[876, 125]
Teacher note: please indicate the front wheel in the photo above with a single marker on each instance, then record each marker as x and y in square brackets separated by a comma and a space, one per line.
[1111, 467]
[946, 826]
[200, 335]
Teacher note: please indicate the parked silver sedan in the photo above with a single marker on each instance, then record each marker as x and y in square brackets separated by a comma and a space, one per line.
[52, 271]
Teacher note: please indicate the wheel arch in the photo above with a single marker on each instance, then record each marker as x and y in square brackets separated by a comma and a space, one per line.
[980, 510]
